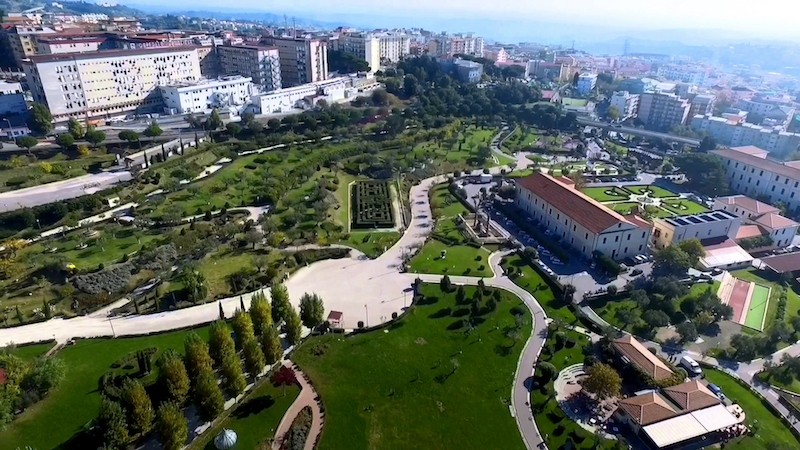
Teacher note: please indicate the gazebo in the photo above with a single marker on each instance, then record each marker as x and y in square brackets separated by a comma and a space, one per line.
[225, 440]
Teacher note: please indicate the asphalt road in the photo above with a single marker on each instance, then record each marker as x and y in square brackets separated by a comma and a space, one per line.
[637, 132]
[60, 190]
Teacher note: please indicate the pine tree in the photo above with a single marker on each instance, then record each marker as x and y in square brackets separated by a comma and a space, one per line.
[173, 377]
[221, 344]
[312, 310]
[271, 345]
[173, 429]
[198, 359]
[242, 328]
[293, 326]
[280, 301]
[207, 396]
[253, 357]
[260, 313]
[232, 375]
[221, 311]
[113, 425]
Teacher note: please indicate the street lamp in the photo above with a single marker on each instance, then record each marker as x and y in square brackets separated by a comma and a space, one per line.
[366, 315]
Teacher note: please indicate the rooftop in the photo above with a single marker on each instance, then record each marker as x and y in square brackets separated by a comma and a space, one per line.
[691, 396]
[749, 232]
[696, 219]
[750, 204]
[743, 156]
[38, 59]
[775, 221]
[648, 408]
[584, 210]
[689, 426]
[789, 262]
[642, 358]
[724, 253]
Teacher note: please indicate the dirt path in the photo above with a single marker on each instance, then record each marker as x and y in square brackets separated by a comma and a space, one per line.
[308, 397]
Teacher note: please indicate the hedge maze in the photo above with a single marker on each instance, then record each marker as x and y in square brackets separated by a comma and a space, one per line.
[371, 205]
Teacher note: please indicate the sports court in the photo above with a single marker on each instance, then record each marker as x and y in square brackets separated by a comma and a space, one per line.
[748, 300]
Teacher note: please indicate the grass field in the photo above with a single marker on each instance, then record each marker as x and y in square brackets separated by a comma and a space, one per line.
[460, 260]
[30, 351]
[531, 281]
[601, 194]
[683, 206]
[624, 207]
[57, 421]
[254, 419]
[108, 247]
[757, 310]
[33, 172]
[769, 431]
[653, 191]
[764, 279]
[219, 267]
[424, 382]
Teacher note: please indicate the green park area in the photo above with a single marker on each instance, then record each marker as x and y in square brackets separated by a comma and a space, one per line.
[607, 194]
[449, 251]
[426, 375]
[683, 206]
[625, 208]
[58, 420]
[769, 432]
[459, 147]
[529, 279]
[617, 198]
[651, 191]
[26, 171]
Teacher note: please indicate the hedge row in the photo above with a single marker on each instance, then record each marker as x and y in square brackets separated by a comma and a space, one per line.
[372, 205]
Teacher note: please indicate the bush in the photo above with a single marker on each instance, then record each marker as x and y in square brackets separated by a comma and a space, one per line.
[112, 280]
[609, 265]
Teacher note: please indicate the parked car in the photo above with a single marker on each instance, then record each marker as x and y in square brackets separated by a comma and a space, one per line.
[691, 366]
[716, 390]
[636, 272]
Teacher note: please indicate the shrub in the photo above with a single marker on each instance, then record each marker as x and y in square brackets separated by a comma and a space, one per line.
[112, 280]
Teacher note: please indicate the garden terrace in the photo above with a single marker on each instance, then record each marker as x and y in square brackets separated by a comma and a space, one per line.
[372, 205]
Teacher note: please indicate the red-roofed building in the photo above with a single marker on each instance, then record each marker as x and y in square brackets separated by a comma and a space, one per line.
[579, 221]
[760, 219]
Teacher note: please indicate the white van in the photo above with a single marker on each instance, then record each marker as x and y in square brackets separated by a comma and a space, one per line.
[691, 366]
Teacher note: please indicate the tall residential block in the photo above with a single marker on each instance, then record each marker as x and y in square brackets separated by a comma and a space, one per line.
[22, 40]
[88, 85]
[734, 133]
[365, 46]
[626, 104]
[301, 60]
[261, 64]
[662, 112]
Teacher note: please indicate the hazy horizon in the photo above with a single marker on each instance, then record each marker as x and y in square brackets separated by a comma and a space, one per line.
[509, 17]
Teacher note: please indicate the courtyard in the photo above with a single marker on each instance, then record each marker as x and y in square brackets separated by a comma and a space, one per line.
[645, 200]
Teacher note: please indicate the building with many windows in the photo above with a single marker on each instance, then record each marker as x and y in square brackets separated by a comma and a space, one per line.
[750, 173]
[580, 222]
[302, 61]
[260, 63]
[232, 93]
[734, 132]
[586, 83]
[303, 96]
[626, 104]
[710, 225]
[23, 40]
[89, 85]
[761, 222]
[365, 46]
[662, 112]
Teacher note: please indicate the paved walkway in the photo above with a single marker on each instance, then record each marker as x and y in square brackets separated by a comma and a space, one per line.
[308, 397]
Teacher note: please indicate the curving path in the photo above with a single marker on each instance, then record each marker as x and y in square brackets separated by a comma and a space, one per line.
[308, 397]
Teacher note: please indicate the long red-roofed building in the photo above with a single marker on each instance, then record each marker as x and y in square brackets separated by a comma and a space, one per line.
[579, 221]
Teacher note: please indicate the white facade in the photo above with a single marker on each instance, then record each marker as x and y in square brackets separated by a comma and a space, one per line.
[393, 46]
[682, 74]
[735, 134]
[626, 103]
[662, 112]
[261, 64]
[107, 83]
[365, 46]
[62, 46]
[228, 92]
[333, 90]
[586, 83]
[714, 224]
[301, 60]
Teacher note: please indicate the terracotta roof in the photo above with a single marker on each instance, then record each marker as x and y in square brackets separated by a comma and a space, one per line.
[775, 221]
[750, 204]
[335, 315]
[642, 358]
[691, 396]
[748, 231]
[752, 150]
[789, 262]
[592, 215]
[638, 221]
[648, 408]
[761, 163]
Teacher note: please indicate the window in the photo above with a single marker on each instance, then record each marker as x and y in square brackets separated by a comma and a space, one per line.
[604, 240]
[616, 238]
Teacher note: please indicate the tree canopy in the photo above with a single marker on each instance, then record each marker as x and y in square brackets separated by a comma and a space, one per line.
[342, 62]
[602, 380]
[704, 172]
[40, 120]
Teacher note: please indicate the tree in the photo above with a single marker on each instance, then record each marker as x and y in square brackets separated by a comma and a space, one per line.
[195, 284]
[214, 121]
[444, 284]
[254, 360]
[94, 137]
[312, 310]
[273, 124]
[65, 141]
[138, 406]
[232, 375]
[207, 396]
[280, 302]
[271, 345]
[705, 173]
[173, 429]
[221, 345]
[612, 113]
[655, 318]
[671, 261]
[339, 61]
[293, 326]
[628, 317]
[130, 136]
[694, 249]
[75, 128]
[687, 331]
[153, 130]
[27, 142]
[40, 120]
[173, 377]
[602, 380]
[707, 143]
[547, 370]
[233, 128]
[260, 313]
[247, 117]
[197, 355]
[242, 328]
[113, 425]
[253, 236]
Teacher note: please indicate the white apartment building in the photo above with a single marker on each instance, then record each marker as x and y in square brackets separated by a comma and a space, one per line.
[750, 173]
[364, 46]
[682, 74]
[760, 219]
[662, 112]
[736, 133]
[580, 222]
[393, 46]
[260, 63]
[101, 84]
[232, 93]
[302, 61]
[23, 40]
[701, 104]
[586, 83]
[626, 104]
[306, 95]
[710, 225]
[767, 113]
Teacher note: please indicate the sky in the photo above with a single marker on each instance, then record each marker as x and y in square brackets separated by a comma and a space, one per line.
[751, 18]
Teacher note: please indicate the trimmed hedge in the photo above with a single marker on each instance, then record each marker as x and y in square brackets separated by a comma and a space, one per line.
[372, 205]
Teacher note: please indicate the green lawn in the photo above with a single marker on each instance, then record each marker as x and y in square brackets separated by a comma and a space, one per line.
[254, 419]
[550, 418]
[444, 204]
[683, 206]
[425, 382]
[601, 193]
[218, 267]
[531, 281]
[371, 243]
[768, 428]
[61, 416]
[624, 207]
[654, 191]
[29, 351]
[764, 279]
[30, 171]
[460, 260]
[107, 247]
[342, 195]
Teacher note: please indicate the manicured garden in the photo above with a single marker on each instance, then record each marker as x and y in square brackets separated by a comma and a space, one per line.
[371, 204]
[624, 208]
[430, 378]
[769, 431]
[371, 243]
[607, 194]
[683, 206]
[651, 191]
[529, 279]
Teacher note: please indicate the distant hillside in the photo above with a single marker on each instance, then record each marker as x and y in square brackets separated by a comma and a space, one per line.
[70, 7]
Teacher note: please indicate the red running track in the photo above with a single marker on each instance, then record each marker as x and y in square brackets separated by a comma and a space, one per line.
[737, 300]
